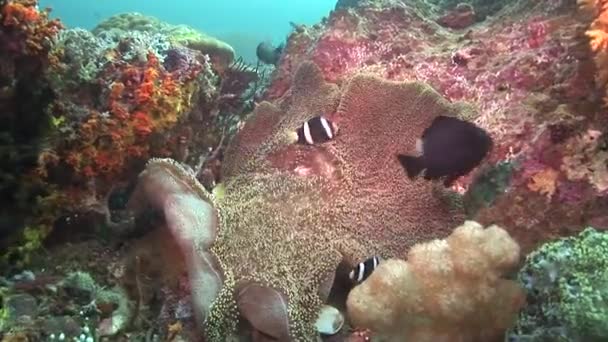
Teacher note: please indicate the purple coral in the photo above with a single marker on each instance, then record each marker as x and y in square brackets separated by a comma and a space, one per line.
[181, 62]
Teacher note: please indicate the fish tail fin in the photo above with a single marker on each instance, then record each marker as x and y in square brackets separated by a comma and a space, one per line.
[413, 165]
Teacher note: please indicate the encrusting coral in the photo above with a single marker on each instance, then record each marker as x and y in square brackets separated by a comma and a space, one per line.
[289, 214]
[27, 207]
[28, 30]
[553, 190]
[566, 283]
[447, 290]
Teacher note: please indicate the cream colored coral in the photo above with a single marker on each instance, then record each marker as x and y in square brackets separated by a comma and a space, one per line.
[585, 160]
[447, 290]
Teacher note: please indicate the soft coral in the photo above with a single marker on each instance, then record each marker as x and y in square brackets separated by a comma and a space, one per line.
[598, 35]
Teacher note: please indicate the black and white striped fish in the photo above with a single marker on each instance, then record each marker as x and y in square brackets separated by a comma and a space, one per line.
[316, 130]
[364, 269]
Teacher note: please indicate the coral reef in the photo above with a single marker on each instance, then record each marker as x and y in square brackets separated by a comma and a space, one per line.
[142, 97]
[447, 290]
[527, 72]
[566, 284]
[115, 101]
[26, 30]
[103, 104]
[262, 256]
[324, 200]
[598, 40]
[26, 314]
[219, 51]
[554, 190]
[25, 40]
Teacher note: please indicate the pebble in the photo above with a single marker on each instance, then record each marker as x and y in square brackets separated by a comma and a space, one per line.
[329, 321]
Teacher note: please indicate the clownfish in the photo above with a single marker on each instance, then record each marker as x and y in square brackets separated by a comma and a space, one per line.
[364, 269]
[316, 131]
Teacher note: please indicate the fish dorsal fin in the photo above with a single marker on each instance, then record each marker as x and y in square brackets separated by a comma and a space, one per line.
[436, 123]
[440, 118]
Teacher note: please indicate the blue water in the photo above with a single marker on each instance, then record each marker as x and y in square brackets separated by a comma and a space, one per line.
[241, 23]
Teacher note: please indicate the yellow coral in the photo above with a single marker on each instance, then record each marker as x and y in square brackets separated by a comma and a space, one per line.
[543, 182]
[447, 290]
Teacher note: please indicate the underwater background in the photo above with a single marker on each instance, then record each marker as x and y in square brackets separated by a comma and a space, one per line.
[242, 24]
[361, 170]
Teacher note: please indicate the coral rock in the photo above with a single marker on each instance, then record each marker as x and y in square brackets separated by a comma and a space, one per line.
[551, 190]
[461, 17]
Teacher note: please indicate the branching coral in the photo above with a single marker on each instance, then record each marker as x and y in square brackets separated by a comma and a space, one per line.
[567, 285]
[80, 55]
[220, 52]
[80, 48]
[447, 290]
